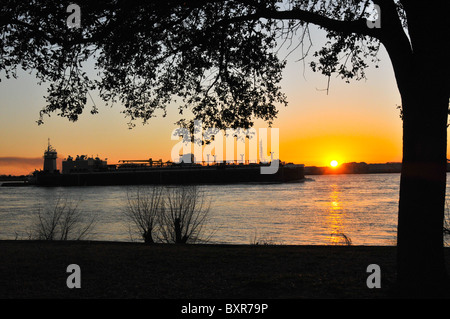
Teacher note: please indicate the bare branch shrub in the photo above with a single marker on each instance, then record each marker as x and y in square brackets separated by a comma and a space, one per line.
[342, 239]
[184, 216]
[263, 240]
[169, 214]
[143, 210]
[61, 221]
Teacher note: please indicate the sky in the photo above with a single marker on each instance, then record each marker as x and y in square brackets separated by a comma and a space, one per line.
[355, 122]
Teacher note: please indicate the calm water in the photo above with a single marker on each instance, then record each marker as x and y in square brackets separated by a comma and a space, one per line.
[363, 207]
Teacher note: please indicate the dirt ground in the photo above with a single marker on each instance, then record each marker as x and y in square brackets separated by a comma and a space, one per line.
[115, 270]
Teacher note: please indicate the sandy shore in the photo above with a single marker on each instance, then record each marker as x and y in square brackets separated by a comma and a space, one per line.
[33, 269]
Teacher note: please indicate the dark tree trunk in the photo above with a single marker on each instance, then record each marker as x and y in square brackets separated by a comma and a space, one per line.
[179, 237]
[421, 265]
[422, 71]
[148, 239]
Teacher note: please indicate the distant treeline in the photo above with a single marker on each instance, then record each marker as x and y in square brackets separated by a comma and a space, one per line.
[13, 178]
[358, 168]
[355, 168]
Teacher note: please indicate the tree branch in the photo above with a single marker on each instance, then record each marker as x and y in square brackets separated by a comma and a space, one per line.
[391, 33]
[37, 31]
[396, 42]
[356, 26]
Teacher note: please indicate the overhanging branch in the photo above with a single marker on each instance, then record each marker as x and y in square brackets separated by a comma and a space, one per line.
[355, 26]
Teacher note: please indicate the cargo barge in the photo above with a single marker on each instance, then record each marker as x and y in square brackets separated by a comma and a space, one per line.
[90, 171]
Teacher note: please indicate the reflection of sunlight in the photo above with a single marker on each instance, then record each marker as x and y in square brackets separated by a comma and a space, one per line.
[335, 216]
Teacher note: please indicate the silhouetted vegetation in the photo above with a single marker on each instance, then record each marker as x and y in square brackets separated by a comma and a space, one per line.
[184, 216]
[341, 239]
[61, 220]
[263, 240]
[169, 214]
[144, 210]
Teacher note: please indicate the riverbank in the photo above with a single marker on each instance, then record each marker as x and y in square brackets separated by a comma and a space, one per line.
[34, 269]
[38, 270]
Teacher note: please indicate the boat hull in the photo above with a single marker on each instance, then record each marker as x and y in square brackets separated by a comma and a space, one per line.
[174, 176]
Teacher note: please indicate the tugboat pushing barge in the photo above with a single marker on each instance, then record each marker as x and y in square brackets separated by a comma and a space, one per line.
[90, 171]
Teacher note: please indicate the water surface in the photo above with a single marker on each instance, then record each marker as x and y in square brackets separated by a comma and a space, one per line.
[316, 212]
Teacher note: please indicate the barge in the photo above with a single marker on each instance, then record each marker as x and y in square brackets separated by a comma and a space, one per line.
[90, 171]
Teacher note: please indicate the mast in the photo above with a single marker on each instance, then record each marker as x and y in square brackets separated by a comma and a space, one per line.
[50, 156]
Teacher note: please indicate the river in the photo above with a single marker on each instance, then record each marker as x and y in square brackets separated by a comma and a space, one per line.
[325, 209]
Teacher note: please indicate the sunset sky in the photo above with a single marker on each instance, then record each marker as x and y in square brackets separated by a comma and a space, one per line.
[356, 122]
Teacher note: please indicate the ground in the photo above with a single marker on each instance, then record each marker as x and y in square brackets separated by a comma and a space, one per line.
[38, 269]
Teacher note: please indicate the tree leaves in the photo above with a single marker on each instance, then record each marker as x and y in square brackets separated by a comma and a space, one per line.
[347, 56]
[216, 59]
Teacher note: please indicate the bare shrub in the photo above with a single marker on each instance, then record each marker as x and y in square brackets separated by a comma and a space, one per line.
[263, 240]
[184, 216]
[144, 209]
[169, 214]
[61, 221]
[342, 239]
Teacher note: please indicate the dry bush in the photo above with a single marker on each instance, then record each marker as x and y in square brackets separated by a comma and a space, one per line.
[342, 239]
[185, 215]
[143, 211]
[169, 214]
[61, 220]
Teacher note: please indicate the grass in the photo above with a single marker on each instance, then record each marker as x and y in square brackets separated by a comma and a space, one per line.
[37, 269]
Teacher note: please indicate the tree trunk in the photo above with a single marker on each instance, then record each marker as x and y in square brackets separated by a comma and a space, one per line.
[147, 235]
[421, 267]
[422, 71]
[179, 238]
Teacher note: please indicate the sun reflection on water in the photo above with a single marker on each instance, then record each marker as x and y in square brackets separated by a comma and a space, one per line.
[335, 216]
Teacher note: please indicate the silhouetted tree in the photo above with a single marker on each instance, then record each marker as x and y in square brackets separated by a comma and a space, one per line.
[61, 220]
[143, 209]
[184, 216]
[169, 214]
[219, 58]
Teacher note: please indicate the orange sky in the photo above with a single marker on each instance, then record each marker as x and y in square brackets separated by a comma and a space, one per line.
[352, 123]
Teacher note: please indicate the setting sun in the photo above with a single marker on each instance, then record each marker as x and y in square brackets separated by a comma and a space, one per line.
[334, 163]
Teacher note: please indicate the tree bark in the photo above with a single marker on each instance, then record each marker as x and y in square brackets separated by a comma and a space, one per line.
[421, 267]
[422, 74]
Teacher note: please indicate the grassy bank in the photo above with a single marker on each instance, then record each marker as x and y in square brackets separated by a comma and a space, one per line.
[33, 269]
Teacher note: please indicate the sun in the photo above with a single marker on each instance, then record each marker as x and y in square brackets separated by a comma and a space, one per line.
[334, 163]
